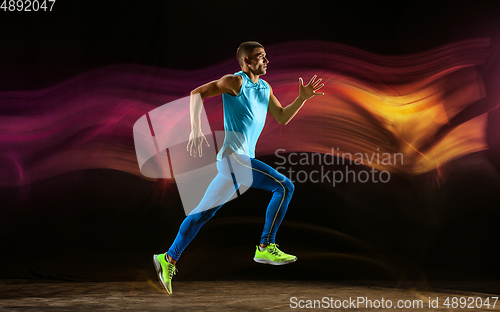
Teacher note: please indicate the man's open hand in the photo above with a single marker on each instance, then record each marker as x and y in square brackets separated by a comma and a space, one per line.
[196, 139]
[309, 90]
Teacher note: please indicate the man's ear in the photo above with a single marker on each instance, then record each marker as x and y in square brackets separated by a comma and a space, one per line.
[246, 60]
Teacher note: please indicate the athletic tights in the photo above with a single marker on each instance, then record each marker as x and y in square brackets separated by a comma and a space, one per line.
[233, 171]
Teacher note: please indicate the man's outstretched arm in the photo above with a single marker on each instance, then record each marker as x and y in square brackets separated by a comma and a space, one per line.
[284, 114]
[228, 84]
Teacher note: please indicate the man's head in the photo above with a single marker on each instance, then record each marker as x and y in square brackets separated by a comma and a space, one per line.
[252, 56]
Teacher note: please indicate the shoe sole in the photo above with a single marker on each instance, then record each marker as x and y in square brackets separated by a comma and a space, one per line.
[271, 262]
[159, 272]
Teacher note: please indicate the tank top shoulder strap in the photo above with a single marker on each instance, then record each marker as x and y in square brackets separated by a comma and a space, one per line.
[243, 75]
[244, 82]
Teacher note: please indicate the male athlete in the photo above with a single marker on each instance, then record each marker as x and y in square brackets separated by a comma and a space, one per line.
[246, 100]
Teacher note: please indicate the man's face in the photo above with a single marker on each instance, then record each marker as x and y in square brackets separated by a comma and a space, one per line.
[257, 61]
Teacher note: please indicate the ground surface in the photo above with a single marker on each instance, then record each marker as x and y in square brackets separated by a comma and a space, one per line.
[53, 295]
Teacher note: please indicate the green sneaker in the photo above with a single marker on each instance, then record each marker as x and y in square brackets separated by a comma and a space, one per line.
[272, 255]
[165, 270]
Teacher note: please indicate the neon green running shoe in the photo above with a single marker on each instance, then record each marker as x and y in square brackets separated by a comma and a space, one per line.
[165, 270]
[272, 255]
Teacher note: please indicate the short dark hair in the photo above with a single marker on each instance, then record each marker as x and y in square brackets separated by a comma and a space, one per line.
[246, 49]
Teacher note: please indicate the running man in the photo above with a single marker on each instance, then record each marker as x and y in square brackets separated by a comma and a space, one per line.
[246, 100]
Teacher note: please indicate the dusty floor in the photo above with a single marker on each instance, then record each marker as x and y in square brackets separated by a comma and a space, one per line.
[52, 295]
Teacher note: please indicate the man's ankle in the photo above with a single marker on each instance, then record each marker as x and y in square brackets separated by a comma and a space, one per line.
[169, 259]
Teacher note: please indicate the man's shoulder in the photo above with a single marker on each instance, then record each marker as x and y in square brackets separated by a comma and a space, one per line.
[232, 80]
[234, 77]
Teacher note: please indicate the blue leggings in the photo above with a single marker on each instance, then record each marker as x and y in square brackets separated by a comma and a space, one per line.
[233, 171]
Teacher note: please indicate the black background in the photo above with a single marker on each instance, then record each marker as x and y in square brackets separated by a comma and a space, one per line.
[41, 48]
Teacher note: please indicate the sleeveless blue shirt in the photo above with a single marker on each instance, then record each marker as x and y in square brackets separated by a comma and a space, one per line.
[245, 116]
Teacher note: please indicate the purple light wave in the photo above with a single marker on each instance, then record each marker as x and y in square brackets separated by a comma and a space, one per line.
[372, 104]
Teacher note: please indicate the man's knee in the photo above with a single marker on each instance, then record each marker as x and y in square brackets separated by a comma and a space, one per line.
[288, 185]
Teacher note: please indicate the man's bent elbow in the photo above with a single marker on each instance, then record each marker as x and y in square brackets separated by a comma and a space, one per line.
[197, 91]
[284, 122]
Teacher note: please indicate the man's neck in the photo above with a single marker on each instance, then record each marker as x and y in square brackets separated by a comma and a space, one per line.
[252, 76]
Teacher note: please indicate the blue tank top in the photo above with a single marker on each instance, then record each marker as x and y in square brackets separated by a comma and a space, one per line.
[245, 116]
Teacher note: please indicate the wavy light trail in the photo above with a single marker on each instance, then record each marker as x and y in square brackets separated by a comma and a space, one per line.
[372, 104]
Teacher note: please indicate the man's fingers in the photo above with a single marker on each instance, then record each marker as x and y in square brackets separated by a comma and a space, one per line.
[200, 148]
[195, 146]
[301, 81]
[206, 142]
[312, 79]
[190, 147]
[316, 83]
[319, 87]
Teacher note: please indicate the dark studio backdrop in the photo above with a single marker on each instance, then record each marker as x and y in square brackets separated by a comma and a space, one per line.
[104, 224]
